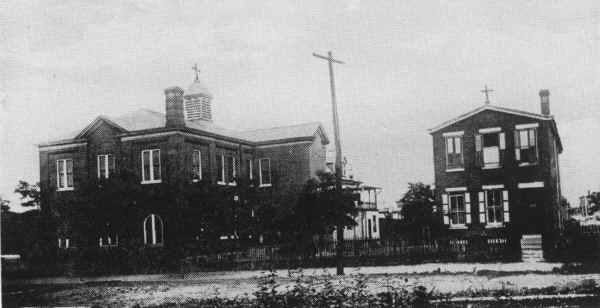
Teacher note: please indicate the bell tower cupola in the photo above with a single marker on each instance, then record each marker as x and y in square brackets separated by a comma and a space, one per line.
[197, 100]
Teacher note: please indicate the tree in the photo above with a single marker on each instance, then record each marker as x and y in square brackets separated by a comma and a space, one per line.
[418, 205]
[317, 211]
[29, 193]
[4, 205]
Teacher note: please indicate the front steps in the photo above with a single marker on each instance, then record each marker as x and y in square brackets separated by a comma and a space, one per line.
[531, 248]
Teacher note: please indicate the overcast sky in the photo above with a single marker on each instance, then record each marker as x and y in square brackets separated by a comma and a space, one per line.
[410, 65]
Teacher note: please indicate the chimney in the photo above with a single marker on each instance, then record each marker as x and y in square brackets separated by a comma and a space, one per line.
[545, 101]
[174, 107]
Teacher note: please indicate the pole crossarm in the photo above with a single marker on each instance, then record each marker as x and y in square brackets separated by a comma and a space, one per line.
[328, 58]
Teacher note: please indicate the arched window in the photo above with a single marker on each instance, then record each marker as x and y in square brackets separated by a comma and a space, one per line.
[108, 237]
[153, 230]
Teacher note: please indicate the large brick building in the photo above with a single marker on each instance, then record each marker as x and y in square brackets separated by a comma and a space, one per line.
[497, 173]
[183, 144]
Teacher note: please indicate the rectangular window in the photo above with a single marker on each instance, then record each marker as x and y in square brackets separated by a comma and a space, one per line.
[491, 150]
[231, 169]
[264, 166]
[196, 166]
[494, 207]
[220, 169]
[106, 165]
[249, 169]
[454, 156]
[151, 166]
[64, 174]
[526, 146]
[374, 223]
[458, 212]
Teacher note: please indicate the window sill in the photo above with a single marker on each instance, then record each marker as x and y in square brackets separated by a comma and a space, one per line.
[65, 189]
[491, 167]
[494, 226]
[455, 170]
[458, 227]
[196, 180]
[232, 184]
[527, 164]
[154, 245]
[265, 185]
[151, 182]
[221, 183]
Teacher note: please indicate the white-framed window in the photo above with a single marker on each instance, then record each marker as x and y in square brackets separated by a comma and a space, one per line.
[153, 230]
[488, 145]
[227, 169]
[231, 167]
[64, 243]
[196, 165]
[151, 166]
[105, 165]
[494, 207]
[64, 174]
[249, 169]
[457, 209]
[526, 149]
[264, 175]
[454, 153]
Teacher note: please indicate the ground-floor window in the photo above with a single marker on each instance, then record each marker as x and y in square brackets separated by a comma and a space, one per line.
[458, 211]
[64, 243]
[494, 210]
[153, 230]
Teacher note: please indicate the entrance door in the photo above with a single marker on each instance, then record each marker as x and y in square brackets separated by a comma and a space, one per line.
[531, 211]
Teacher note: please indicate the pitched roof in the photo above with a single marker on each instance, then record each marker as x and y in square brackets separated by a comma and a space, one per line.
[285, 132]
[493, 108]
[505, 110]
[145, 119]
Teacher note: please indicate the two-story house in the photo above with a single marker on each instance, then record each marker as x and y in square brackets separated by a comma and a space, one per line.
[497, 173]
[183, 144]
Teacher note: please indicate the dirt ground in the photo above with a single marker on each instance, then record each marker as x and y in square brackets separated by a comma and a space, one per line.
[144, 290]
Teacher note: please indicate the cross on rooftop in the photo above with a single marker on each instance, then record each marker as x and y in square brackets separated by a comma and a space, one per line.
[197, 71]
[487, 92]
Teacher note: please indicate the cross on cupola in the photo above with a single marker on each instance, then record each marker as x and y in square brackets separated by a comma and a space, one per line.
[196, 71]
[487, 94]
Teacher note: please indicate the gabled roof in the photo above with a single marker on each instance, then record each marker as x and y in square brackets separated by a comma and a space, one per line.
[485, 107]
[285, 132]
[145, 119]
[492, 108]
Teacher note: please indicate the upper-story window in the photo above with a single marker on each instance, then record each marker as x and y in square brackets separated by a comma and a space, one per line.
[227, 169]
[526, 144]
[488, 145]
[64, 174]
[264, 176]
[196, 165]
[151, 166]
[106, 165]
[249, 169]
[454, 151]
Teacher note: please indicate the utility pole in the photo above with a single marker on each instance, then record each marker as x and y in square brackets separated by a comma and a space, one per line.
[338, 161]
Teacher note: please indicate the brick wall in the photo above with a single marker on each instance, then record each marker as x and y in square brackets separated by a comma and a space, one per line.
[509, 174]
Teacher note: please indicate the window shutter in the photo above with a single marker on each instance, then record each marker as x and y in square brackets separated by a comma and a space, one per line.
[468, 206]
[517, 146]
[482, 207]
[478, 151]
[505, 205]
[502, 140]
[445, 209]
